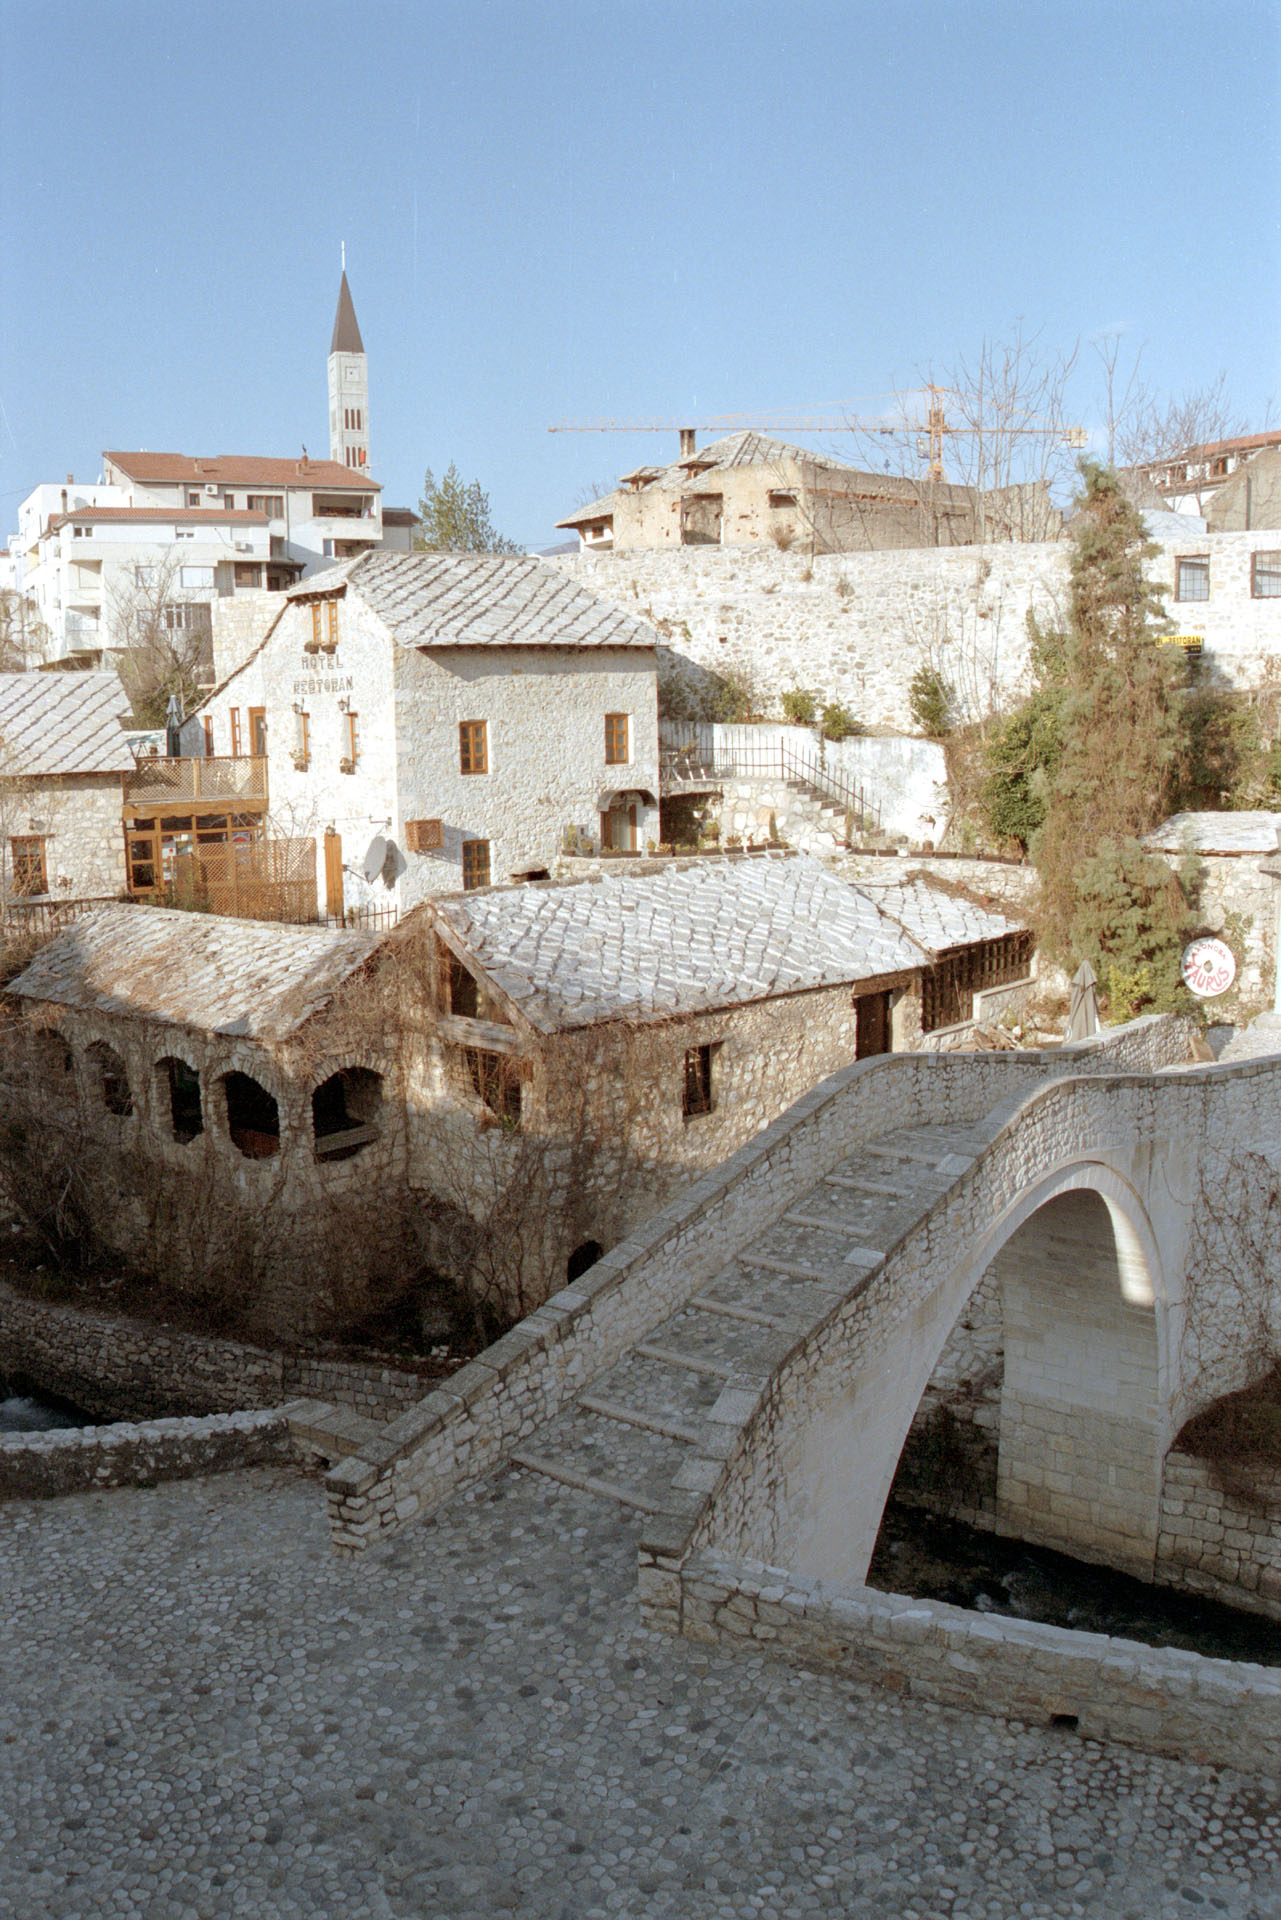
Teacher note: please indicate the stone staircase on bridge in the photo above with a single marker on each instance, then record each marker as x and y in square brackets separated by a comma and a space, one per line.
[631, 1432]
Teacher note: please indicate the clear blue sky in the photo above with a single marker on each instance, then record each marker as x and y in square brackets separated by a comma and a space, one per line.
[561, 211]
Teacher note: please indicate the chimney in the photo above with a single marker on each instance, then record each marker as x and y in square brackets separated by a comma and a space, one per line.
[687, 442]
[71, 479]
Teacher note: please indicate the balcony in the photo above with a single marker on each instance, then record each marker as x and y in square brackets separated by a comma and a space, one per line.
[220, 783]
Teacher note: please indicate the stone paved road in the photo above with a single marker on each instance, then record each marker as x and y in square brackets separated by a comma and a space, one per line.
[207, 1715]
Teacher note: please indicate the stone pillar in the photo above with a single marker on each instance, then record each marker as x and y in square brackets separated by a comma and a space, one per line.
[1080, 1434]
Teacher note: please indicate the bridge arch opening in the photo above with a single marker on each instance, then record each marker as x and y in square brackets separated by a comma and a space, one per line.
[1048, 1390]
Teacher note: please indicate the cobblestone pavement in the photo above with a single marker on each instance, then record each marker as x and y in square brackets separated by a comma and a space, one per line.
[206, 1715]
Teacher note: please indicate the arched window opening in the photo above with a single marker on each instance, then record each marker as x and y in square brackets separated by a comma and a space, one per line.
[583, 1257]
[178, 1089]
[344, 1112]
[253, 1118]
[53, 1057]
[111, 1079]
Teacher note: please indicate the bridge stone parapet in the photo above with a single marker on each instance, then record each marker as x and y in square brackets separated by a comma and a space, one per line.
[494, 1405]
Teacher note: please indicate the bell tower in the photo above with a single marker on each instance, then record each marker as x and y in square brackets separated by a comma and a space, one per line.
[348, 385]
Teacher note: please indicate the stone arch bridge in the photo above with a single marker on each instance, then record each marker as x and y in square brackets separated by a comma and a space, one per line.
[744, 1372]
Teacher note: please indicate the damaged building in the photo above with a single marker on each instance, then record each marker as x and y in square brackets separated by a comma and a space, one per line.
[747, 489]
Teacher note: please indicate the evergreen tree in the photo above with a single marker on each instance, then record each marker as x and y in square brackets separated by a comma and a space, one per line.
[454, 517]
[1121, 720]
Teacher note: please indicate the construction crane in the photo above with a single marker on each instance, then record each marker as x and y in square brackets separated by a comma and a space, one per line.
[931, 432]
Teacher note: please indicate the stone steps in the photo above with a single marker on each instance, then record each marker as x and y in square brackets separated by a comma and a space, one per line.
[633, 1429]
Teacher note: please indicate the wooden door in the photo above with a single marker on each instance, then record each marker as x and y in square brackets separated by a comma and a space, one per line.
[333, 872]
[873, 1032]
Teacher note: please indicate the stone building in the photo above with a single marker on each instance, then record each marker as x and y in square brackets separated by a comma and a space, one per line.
[1236, 858]
[981, 962]
[747, 489]
[202, 1090]
[507, 1083]
[63, 751]
[436, 721]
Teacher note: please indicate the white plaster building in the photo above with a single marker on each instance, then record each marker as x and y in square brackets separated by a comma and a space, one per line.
[436, 721]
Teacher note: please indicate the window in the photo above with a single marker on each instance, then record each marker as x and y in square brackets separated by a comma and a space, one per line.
[344, 1112]
[82, 533]
[473, 746]
[190, 616]
[193, 577]
[315, 625]
[778, 498]
[496, 1080]
[464, 997]
[184, 533]
[229, 501]
[352, 754]
[29, 872]
[1192, 578]
[331, 624]
[178, 1086]
[248, 575]
[143, 576]
[253, 1118]
[617, 751]
[207, 724]
[698, 1082]
[1265, 576]
[193, 497]
[111, 1078]
[475, 864]
[235, 730]
[258, 730]
[302, 747]
[272, 504]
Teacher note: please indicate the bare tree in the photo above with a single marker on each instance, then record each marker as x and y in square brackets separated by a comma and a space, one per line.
[165, 638]
[24, 636]
[995, 421]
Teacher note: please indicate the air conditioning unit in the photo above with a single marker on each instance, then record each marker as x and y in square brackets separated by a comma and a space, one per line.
[211, 486]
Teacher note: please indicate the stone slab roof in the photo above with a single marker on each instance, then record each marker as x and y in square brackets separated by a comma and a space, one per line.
[195, 970]
[481, 600]
[693, 935]
[1217, 833]
[939, 920]
[53, 723]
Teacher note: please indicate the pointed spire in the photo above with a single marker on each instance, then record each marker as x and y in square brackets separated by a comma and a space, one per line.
[346, 333]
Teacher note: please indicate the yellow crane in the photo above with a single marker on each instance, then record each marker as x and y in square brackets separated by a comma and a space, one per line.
[931, 432]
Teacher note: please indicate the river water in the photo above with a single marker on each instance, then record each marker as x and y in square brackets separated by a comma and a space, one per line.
[935, 1559]
[25, 1410]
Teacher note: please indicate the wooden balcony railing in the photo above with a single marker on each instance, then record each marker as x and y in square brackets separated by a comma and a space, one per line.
[223, 780]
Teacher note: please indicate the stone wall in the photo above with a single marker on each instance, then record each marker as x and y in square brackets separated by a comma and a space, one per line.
[1214, 1542]
[40, 1466]
[856, 626]
[1159, 1699]
[1238, 901]
[117, 1367]
[78, 817]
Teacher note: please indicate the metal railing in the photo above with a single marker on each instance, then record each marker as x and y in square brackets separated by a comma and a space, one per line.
[226, 777]
[18, 916]
[705, 761]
